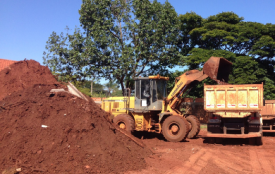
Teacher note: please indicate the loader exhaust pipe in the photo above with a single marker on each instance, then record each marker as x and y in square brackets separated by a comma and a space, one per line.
[218, 69]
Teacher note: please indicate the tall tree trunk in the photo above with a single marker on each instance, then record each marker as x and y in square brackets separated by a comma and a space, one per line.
[122, 86]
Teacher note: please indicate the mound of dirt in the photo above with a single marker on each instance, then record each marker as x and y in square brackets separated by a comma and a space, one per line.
[43, 132]
[23, 74]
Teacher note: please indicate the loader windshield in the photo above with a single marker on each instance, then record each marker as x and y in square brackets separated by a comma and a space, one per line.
[161, 89]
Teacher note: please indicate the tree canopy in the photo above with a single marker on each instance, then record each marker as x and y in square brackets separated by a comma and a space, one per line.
[248, 45]
[122, 39]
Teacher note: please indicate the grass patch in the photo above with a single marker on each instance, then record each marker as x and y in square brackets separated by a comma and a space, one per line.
[203, 126]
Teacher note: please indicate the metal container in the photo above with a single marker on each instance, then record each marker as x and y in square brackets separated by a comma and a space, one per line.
[217, 68]
[268, 116]
[269, 108]
[234, 98]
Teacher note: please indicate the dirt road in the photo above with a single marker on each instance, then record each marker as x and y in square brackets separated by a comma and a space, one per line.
[195, 156]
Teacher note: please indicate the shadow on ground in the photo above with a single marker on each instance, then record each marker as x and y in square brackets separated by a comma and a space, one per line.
[148, 135]
[151, 135]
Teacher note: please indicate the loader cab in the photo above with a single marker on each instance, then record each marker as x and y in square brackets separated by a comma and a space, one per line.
[149, 93]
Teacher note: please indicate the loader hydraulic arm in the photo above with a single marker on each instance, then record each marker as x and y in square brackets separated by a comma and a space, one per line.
[216, 68]
[184, 83]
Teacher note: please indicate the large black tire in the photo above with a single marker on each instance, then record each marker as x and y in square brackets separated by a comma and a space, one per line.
[259, 141]
[194, 126]
[177, 122]
[256, 141]
[210, 140]
[127, 120]
[252, 141]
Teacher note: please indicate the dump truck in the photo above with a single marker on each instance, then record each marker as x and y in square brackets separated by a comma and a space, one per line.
[152, 109]
[268, 116]
[234, 111]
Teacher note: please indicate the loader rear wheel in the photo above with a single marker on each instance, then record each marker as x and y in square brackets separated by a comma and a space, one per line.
[175, 128]
[125, 121]
[194, 126]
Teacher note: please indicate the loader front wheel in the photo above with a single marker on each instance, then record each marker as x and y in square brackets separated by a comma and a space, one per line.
[125, 121]
[194, 126]
[175, 128]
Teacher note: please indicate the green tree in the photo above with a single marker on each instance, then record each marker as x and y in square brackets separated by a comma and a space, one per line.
[85, 87]
[248, 45]
[187, 23]
[111, 87]
[121, 40]
[64, 56]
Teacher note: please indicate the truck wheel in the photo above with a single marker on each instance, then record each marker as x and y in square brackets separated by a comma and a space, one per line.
[252, 141]
[211, 140]
[175, 128]
[194, 126]
[259, 141]
[125, 121]
[256, 141]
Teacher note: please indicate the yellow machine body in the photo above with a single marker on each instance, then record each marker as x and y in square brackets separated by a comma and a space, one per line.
[151, 109]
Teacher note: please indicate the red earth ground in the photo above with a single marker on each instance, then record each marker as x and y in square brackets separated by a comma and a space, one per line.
[195, 156]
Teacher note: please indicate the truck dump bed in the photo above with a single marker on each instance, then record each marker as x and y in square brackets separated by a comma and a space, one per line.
[269, 108]
[268, 116]
[236, 98]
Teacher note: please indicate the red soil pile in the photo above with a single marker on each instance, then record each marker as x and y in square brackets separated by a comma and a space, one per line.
[78, 139]
[23, 74]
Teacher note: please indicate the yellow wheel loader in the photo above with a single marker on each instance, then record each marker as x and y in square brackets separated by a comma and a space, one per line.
[152, 110]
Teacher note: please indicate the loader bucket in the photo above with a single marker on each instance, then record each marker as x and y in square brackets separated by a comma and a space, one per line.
[217, 68]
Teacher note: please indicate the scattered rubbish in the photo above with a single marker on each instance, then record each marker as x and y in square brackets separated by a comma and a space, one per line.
[58, 90]
[73, 90]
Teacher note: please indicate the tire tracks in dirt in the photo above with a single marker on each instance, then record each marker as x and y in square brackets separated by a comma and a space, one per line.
[194, 164]
[260, 162]
[198, 161]
[231, 162]
[212, 158]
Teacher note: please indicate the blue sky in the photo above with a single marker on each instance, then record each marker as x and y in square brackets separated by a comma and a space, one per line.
[27, 24]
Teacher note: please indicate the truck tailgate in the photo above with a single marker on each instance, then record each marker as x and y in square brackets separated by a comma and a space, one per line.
[237, 98]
